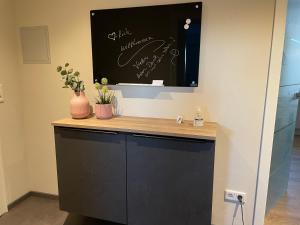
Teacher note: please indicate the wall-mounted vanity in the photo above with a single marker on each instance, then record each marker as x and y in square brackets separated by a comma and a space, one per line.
[136, 171]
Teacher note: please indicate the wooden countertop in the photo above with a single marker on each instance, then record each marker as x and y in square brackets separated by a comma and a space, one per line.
[140, 125]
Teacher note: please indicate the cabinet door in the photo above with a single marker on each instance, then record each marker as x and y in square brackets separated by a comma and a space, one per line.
[91, 169]
[169, 181]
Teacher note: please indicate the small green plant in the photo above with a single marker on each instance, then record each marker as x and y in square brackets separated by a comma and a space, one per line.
[105, 96]
[71, 78]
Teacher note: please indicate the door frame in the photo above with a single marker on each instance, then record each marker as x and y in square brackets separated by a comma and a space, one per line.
[272, 91]
[3, 199]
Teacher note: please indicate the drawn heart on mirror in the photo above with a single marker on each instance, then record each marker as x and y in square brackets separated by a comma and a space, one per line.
[112, 36]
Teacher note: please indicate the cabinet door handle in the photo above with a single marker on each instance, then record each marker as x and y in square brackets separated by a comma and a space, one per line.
[170, 138]
[101, 131]
[91, 130]
[153, 136]
[108, 132]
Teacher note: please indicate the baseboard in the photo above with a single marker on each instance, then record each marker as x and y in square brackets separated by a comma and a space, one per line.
[18, 201]
[30, 194]
[43, 195]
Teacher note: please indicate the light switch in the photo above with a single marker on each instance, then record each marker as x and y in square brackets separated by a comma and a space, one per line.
[1, 94]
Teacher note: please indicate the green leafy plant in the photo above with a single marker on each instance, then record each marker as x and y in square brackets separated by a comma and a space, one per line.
[105, 96]
[71, 78]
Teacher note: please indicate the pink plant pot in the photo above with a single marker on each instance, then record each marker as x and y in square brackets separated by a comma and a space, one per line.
[103, 111]
[79, 106]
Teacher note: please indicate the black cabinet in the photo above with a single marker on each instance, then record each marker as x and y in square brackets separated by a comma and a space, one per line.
[135, 179]
[169, 181]
[91, 169]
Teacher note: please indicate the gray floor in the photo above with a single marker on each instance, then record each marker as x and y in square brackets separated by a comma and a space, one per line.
[35, 211]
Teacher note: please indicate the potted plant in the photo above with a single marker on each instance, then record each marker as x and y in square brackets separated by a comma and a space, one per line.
[79, 104]
[103, 107]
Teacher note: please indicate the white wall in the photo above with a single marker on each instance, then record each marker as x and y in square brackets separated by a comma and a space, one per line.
[11, 129]
[235, 52]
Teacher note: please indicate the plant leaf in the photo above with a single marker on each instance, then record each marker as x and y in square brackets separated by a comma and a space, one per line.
[59, 68]
[74, 86]
[64, 72]
[82, 88]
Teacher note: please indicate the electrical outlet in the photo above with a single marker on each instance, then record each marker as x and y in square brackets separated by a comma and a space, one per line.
[1, 94]
[232, 196]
